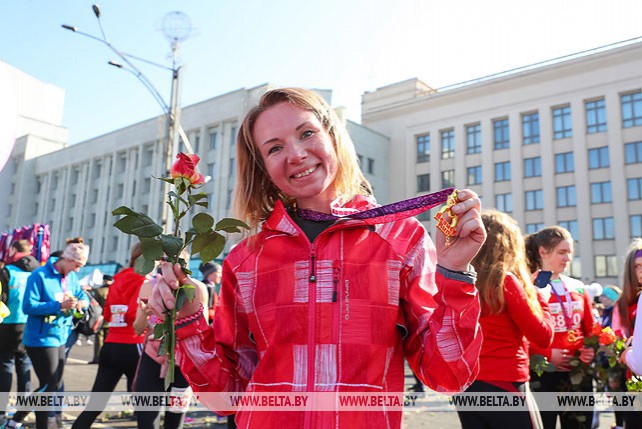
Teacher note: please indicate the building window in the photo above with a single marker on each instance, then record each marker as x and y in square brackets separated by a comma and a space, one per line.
[423, 148]
[232, 167]
[632, 110]
[564, 163]
[147, 185]
[148, 156]
[210, 201]
[601, 193]
[603, 228]
[570, 226]
[530, 128]
[473, 139]
[233, 136]
[72, 201]
[122, 163]
[504, 203]
[566, 196]
[92, 220]
[120, 191]
[532, 228]
[424, 216]
[197, 141]
[371, 165]
[634, 188]
[636, 225]
[213, 138]
[448, 179]
[38, 185]
[595, 116]
[211, 169]
[447, 144]
[474, 175]
[533, 167]
[562, 126]
[606, 266]
[423, 183]
[535, 200]
[599, 157]
[501, 134]
[502, 171]
[633, 153]
[74, 176]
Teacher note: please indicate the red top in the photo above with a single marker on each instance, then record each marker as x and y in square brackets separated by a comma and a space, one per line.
[121, 306]
[580, 322]
[504, 354]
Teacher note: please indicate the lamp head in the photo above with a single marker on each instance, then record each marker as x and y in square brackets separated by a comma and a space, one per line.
[96, 9]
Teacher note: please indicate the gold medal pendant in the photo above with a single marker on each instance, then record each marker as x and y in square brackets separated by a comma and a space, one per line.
[571, 336]
[448, 228]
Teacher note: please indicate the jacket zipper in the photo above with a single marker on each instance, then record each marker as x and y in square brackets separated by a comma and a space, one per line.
[312, 298]
[336, 308]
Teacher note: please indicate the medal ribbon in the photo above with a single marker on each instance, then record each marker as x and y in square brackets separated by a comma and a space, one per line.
[568, 318]
[387, 213]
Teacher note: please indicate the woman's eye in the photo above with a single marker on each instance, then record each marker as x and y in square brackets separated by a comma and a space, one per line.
[273, 149]
[307, 134]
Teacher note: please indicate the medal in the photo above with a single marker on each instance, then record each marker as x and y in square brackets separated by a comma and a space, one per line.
[448, 228]
[571, 336]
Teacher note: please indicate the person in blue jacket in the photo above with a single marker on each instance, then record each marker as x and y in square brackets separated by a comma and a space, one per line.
[51, 297]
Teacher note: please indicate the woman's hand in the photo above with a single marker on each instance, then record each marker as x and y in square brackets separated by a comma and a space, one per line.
[162, 297]
[587, 354]
[561, 358]
[471, 233]
[68, 303]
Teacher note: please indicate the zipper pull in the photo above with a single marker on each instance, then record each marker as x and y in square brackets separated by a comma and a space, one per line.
[335, 281]
[313, 277]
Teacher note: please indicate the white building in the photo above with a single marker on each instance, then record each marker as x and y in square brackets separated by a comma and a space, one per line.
[74, 189]
[554, 143]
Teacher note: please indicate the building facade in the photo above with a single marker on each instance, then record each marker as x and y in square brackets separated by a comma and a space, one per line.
[559, 142]
[75, 188]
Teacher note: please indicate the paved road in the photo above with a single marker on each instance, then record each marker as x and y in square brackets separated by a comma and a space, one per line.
[79, 377]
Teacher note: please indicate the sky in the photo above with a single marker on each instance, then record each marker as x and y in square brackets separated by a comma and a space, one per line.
[349, 46]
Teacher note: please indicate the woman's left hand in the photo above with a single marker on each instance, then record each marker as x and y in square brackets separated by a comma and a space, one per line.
[470, 235]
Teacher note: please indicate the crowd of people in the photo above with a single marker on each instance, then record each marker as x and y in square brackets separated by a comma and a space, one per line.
[330, 292]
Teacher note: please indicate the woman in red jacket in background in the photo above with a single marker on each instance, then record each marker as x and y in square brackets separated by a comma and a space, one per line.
[512, 313]
[551, 249]
[123, 346]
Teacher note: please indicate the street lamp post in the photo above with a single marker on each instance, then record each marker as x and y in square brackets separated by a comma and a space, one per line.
[176, 28]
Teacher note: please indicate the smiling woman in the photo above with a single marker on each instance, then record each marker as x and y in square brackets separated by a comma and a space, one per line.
[319, 302]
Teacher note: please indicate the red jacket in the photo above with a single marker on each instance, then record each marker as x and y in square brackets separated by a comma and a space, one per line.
[504, 354]
[580, 325]
[377, 299]
[120, 308]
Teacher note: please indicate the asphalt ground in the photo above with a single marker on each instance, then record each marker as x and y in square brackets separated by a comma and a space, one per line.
[79, 377]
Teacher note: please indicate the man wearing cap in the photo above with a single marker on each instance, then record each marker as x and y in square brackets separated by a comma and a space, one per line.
[212, 274]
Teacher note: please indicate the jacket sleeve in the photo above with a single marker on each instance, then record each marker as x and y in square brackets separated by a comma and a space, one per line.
[441, 310]
[634, 357]
[221, 358]
[33, 303]
[538, 327]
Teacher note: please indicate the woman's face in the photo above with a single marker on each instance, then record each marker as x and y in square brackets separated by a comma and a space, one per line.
[299, 155]
[558, 258]
[637, 266]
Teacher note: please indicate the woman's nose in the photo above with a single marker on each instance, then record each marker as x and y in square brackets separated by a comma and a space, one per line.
[296, 152]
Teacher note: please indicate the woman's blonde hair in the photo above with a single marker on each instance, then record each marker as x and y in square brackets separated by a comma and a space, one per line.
[503, 252]
[255, 194]
[630, 285]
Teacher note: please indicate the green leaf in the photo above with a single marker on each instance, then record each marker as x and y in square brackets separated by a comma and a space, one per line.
[230, 225]
[159, 331]
[202, 222]
[190, 292]
[202, 204]
[143, 266]
[140, 225]
[152, 248]
[123, 210]
[180, 298]
[171, 245]
[202, 240]
[213, 249]
[162, 347]
[165, 179]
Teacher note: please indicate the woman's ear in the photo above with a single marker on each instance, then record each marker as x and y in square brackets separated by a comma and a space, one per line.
[541, 251]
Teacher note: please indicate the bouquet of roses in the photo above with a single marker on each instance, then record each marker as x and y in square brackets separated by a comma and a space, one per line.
[204, 237]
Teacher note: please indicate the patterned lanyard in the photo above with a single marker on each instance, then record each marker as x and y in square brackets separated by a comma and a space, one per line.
[568, 316]
[389, 212]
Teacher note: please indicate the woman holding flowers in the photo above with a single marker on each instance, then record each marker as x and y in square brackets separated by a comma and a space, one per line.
[317, 301]
[551, 249]
[513, 312]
